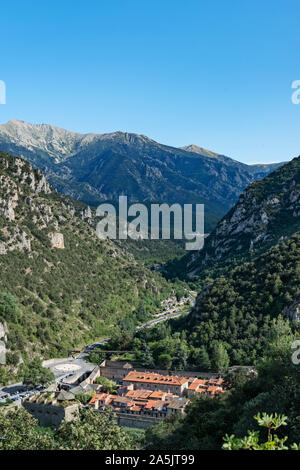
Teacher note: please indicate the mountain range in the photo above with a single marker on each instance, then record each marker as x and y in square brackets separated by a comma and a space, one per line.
[97, 167]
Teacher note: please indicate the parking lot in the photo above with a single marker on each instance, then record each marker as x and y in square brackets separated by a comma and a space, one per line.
[15, 393]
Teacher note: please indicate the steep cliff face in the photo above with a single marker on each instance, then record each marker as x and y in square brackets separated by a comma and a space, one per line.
[58, 282]
[17, 180]
[267, 211]
[3, 339]
[57, 240]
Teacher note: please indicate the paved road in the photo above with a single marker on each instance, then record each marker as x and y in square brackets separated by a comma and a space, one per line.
[65, 370]
[60, 367]
[168, 315]
[163, 318]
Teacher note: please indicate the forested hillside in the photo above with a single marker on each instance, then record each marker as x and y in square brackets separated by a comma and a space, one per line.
[266, 211]
[248, 274]
[231, 320]
[274, 388]
[237, 309]
[58, 282]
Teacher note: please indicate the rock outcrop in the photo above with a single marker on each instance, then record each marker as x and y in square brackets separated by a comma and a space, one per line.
[57, 240]
[3, 339]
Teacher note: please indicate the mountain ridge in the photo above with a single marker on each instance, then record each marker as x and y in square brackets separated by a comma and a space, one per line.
[97, 167]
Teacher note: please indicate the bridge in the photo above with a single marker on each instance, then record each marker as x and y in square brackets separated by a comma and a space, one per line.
[98, 351]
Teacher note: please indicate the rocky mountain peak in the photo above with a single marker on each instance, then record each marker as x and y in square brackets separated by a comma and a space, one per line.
[58, 143]
[200, 150]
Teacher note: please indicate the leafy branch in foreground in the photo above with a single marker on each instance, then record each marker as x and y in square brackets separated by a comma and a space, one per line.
[251, 441]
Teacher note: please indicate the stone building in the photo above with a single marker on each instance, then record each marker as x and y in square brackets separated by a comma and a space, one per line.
[139, 408]
[50, 409]
[115, 370]
[152, 381]
[210, 387]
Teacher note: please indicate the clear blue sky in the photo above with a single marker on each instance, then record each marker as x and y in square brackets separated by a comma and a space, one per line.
[214, 73]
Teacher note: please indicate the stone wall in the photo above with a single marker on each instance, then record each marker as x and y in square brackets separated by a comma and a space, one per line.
[51, 415]
[136, 422]
[132, 421]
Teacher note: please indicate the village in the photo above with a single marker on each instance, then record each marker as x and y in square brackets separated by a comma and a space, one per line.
[141, 398]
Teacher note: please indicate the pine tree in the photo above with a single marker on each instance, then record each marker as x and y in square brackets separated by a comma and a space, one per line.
[146, 356]
[204, 362]
[220, 357]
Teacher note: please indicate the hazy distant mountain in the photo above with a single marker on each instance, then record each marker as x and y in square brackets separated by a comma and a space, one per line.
[256, 169]
[95, 167]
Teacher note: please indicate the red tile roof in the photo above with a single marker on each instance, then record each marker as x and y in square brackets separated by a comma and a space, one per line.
[154, 378]
[97, 397]
[153, 404]
[218, 381]
[197, 383]
[138, 393]
[136, 408]
[158, 394]
[132, 404]
[214, 390]
[193, 386]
